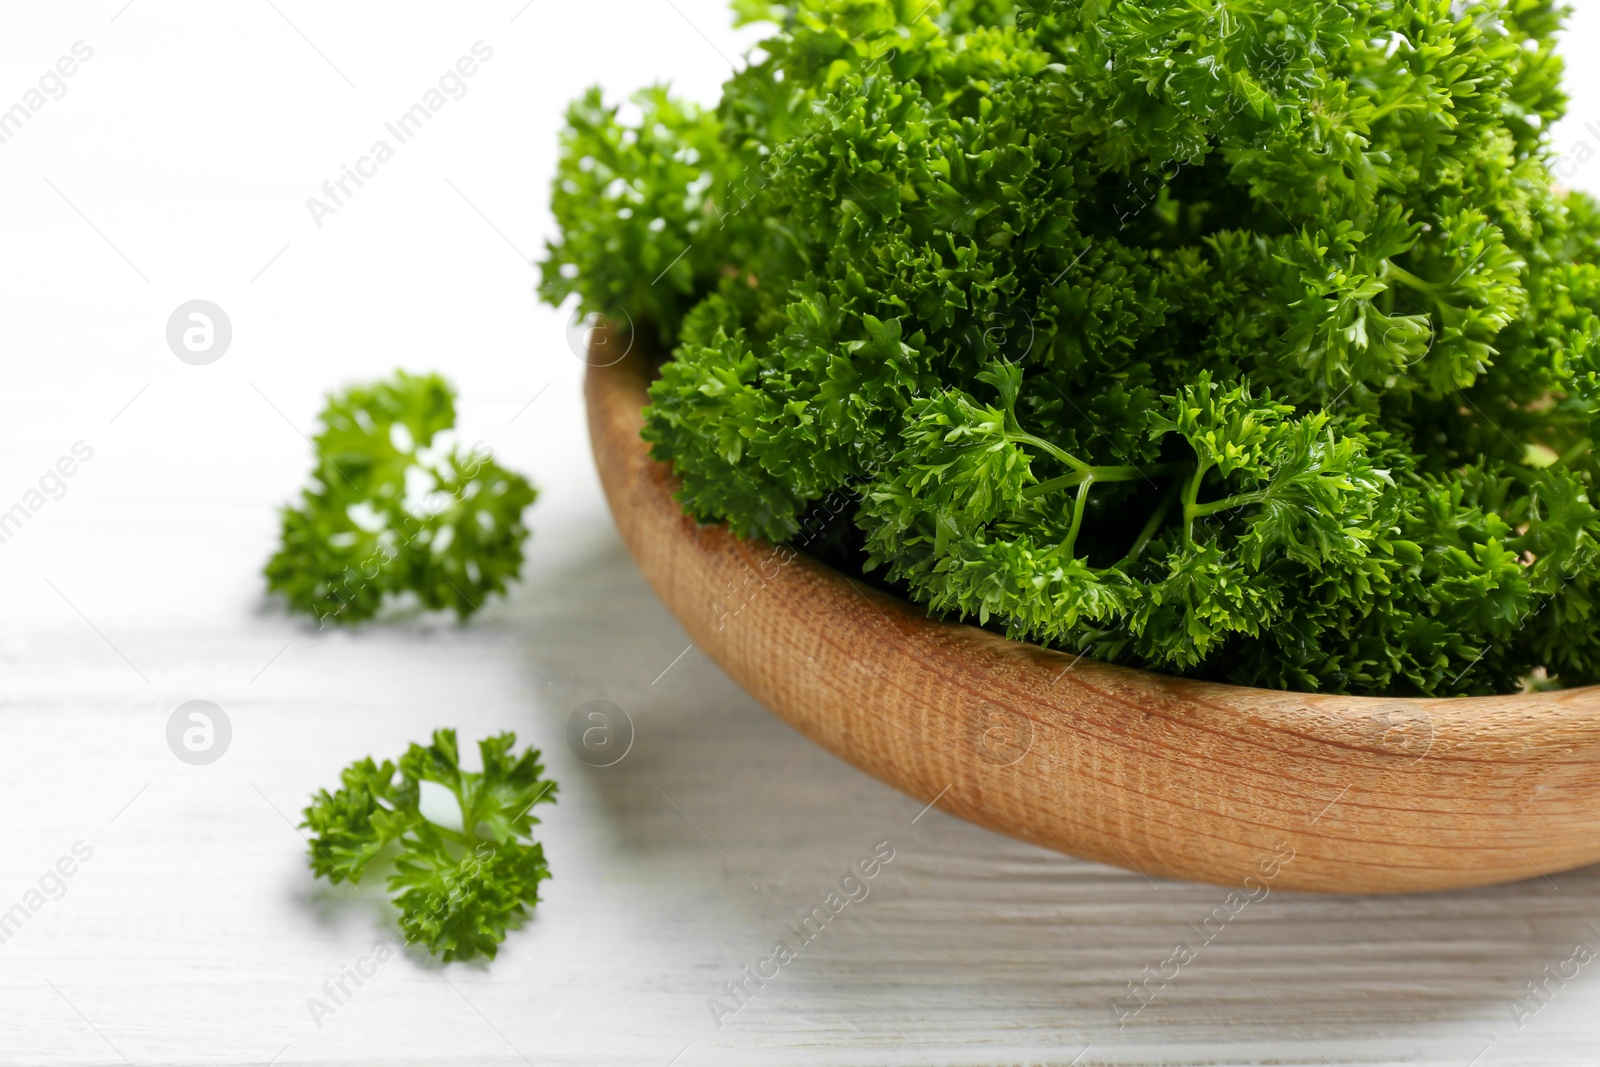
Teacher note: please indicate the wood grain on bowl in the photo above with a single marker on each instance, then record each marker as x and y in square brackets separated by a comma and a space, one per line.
[1166, 776]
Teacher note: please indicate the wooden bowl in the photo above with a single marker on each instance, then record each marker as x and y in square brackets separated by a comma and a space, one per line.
[1166, 776]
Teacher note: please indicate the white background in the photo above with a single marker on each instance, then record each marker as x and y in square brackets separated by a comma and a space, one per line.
[177, 166]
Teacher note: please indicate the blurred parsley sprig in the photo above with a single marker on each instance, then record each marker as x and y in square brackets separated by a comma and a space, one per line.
[458, 890]
[388, 513]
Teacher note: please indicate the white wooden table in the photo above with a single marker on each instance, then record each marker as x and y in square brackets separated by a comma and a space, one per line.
[177, 167]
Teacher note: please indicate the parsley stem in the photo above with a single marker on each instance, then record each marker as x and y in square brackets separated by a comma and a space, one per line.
[1151, 526]
[1227, 504]
[1573, 453]
[1191, 492]
[1399, 104]
[1077, 514]
[1065, 481]
[1023, 437]
[1404, 276]
[1100, 474]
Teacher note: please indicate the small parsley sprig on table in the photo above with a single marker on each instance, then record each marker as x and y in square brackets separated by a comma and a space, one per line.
[458, 891]
[388, 512]
[1252, 341]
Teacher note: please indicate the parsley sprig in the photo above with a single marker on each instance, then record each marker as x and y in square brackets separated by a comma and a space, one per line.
[459, 889]
[389, 512]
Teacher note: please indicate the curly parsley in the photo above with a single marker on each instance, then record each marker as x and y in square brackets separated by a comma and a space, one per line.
[1249, 340]
[458, 889]
[387, 512]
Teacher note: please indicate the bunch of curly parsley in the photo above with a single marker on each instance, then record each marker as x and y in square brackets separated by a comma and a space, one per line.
[1247, 339]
